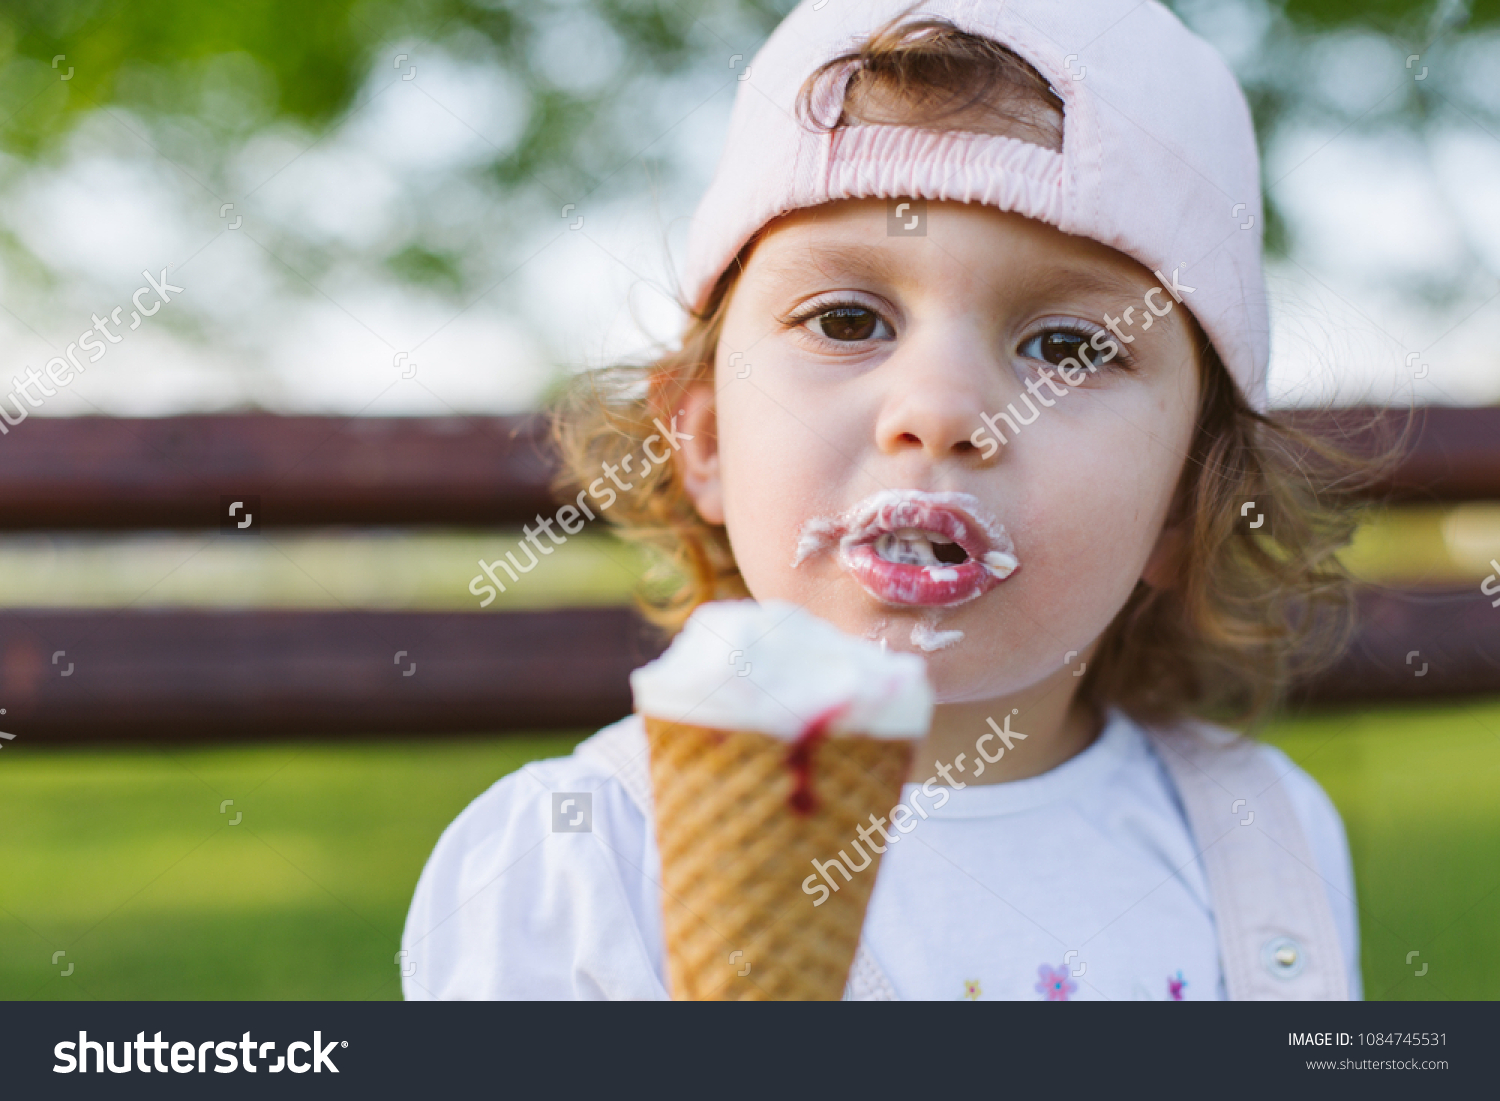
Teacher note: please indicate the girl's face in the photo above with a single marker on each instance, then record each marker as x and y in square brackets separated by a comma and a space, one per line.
[854, 361]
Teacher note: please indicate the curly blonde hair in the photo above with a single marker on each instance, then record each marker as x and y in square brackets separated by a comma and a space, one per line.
[1251, 608]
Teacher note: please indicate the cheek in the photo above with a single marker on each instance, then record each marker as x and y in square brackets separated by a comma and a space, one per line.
[1090, 525]
[776, 468]
[794, 444]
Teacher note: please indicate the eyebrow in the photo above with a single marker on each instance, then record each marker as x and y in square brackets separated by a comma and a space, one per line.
[875, 262]
[866, 260]
[1090, 280]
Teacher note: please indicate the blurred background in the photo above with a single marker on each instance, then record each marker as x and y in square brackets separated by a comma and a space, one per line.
[440, 210]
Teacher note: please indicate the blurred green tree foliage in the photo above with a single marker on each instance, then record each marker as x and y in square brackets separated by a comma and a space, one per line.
[1397, 17]
[249, 61]
[203, 77]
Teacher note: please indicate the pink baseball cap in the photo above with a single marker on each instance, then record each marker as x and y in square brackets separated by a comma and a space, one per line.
[1158, 155]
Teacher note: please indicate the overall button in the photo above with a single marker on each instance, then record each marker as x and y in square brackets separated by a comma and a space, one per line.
[1283, 957]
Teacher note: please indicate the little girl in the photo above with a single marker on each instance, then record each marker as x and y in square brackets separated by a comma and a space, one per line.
[976, 282]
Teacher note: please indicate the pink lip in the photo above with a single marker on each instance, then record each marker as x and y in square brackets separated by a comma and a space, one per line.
[897, 583]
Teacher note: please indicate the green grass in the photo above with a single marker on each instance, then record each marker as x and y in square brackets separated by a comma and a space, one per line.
[317, 569]
[1426, 544]
[122, 857]
[1419, 791]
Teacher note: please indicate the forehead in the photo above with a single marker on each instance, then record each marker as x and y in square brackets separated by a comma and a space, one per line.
[960, 241]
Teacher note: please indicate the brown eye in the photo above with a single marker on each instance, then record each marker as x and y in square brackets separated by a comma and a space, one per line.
[848, 323]
[1056, 346]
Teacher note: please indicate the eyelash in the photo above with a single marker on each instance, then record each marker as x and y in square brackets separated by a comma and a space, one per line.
[1121, 359]
[818, 308]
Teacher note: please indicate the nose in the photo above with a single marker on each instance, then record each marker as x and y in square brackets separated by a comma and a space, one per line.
[935, 394]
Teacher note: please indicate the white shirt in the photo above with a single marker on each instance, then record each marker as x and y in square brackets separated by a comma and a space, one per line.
[1081, 883]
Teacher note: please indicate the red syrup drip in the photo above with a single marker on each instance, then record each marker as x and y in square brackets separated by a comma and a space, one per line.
[799, 759]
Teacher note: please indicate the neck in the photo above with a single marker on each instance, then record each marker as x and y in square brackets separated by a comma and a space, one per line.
[1044, 726]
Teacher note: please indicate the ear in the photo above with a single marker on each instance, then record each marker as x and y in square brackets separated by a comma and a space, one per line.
[698, 458]
[1164, 565]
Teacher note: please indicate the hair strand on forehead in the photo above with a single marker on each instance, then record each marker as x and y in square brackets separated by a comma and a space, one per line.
[927, 73]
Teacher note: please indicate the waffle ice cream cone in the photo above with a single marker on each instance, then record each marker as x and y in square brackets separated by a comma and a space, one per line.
[763, 767]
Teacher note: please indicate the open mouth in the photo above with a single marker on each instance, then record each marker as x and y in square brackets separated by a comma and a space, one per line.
[909, 547]
[913, 547]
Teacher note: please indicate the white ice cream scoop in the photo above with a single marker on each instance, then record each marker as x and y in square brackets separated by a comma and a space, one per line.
[776, 668]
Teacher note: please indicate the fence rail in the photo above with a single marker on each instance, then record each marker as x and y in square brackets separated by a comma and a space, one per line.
[174, 472]
[174, 675]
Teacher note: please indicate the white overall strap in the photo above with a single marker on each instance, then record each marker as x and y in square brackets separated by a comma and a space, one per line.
[623, 748]
[1277, 938]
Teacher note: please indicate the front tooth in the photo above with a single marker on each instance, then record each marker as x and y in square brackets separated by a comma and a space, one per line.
[1000, 564]
[921, 542]
[906, 548]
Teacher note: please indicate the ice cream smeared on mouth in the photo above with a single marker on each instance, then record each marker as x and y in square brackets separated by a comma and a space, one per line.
[778, 669]
[927, 638]
[910, 547]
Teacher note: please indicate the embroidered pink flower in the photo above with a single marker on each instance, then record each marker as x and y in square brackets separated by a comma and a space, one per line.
[1055, 986]
[1174, 987]
[971, 989]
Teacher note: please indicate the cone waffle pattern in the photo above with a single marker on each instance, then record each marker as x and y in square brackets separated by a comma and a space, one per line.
[735, 853]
